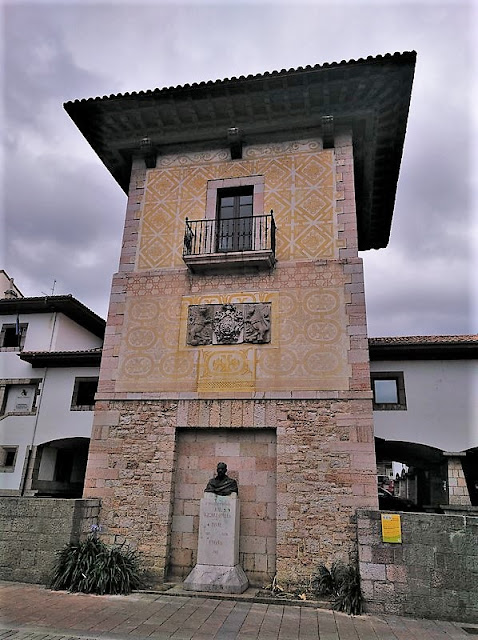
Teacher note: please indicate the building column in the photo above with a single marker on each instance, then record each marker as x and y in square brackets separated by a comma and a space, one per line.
[457, 488]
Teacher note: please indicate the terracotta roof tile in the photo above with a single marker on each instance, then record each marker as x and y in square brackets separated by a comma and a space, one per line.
[257, 76]
[415, 340]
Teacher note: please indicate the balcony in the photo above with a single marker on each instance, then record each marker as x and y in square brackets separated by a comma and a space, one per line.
[231, 244]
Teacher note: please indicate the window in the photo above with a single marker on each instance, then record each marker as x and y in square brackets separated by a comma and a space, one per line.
[12, 337]
[234, 219]
[388, 390]
[18, 396]
[236, 233]
[8, 458]
[84, 394]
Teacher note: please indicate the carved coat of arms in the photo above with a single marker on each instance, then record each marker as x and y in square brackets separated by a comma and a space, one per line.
[228, 324]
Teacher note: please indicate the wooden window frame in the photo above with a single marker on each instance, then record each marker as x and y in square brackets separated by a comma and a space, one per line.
[233, 225]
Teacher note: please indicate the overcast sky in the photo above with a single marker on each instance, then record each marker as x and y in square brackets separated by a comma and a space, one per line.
[63, 212]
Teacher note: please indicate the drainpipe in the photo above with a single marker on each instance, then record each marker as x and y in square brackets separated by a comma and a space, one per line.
[37, 415]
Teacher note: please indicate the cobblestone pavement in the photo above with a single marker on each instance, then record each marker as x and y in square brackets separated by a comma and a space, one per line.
[31, 612]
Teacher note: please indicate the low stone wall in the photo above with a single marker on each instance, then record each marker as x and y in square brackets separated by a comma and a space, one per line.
[33, 529]
[433, 573]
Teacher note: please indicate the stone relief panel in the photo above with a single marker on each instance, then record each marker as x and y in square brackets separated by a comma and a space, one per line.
[237, 342]
[229, 324]
[299, 187]
[200, 319]
[257, 323]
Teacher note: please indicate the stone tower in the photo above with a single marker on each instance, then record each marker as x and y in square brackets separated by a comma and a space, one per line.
[237, 327]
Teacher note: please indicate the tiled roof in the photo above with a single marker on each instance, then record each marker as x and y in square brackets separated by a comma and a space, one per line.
[406, 340]
[449, 347]
[257, 76]
[67, 304]
[63, 353]
[369, 97]
[84, 358]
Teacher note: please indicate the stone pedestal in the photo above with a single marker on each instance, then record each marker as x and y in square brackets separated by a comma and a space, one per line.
[217, 569]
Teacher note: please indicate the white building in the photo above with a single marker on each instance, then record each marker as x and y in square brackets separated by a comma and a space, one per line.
[426, 413]
[425, 402]
[50, 351]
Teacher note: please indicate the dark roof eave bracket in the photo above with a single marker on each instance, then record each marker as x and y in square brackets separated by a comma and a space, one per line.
[328, 133]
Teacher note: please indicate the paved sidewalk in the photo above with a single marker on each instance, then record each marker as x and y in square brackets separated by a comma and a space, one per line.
[31, 612]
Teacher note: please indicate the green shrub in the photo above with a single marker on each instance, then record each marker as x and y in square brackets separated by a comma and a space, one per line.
[322, 582]
[91, 566]
[342, 582]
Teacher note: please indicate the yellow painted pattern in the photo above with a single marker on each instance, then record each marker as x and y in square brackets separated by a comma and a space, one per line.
[309, 343]
[308, 348]
[299, 188]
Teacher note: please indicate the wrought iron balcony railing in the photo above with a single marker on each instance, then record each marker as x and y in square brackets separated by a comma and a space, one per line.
[208, 244]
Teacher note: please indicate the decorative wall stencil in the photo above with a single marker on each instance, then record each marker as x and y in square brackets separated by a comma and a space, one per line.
[298, 186]
[227, 369]
[141, 338]
[229, 323]
[292, 340]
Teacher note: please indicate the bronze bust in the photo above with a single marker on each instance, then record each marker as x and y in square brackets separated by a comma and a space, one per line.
[222, 484]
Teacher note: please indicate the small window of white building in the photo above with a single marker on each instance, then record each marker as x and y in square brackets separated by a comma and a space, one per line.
[12, 336]
[8, 458]
[84, 394]
[388, 390]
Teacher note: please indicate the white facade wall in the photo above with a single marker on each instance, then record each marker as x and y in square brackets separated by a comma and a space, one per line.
[442, 404]
[16, 431]
[53, 332]
[12, 367]
[54, 418]
[69, 336]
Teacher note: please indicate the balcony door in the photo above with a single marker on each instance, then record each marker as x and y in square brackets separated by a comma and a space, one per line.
[234, 219]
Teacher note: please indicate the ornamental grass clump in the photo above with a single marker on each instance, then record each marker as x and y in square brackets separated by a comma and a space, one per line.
[91, 566]
[342, 582]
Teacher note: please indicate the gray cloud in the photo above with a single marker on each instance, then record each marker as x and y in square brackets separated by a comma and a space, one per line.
[64, 213]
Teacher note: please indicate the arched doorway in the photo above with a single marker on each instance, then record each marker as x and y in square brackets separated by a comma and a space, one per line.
[59, 469]
[425, 481]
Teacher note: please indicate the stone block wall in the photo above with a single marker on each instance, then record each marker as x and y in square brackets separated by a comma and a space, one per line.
[432, 574]
[309, 387]
[32, 530]
[457, 489]
[251, 459]
[324, 471]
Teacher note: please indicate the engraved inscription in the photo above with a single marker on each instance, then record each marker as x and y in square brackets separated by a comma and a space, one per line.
[217, 532]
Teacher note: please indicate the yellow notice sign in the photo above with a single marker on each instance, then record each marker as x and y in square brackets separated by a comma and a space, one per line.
[391, 527]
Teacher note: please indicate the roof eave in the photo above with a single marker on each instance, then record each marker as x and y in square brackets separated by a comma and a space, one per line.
[370, 96]
[41, 360]
[68, 305]
[432, 351]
